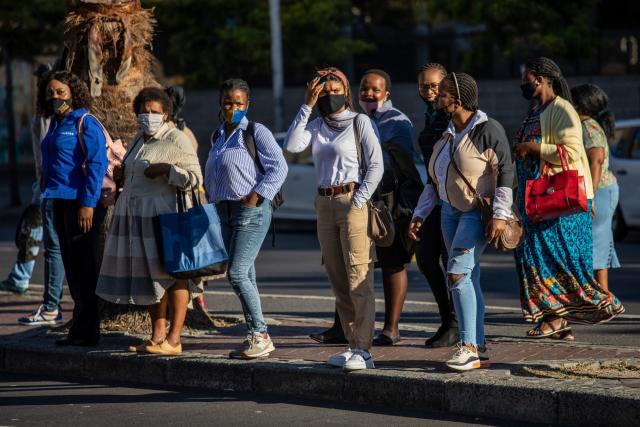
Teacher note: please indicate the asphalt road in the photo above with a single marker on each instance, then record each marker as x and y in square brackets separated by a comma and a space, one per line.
[292, 282]
[34, 401]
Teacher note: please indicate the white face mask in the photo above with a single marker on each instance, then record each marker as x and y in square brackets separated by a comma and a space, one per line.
[150, 122]
[370, 107]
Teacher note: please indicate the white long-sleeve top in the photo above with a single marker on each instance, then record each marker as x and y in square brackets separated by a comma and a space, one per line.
[334, 152]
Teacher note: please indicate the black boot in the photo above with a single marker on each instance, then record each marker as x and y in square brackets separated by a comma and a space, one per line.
[445, 336]
[333, 335]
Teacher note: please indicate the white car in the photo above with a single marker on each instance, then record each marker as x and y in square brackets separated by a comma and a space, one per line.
[625, 164]
[300, 188]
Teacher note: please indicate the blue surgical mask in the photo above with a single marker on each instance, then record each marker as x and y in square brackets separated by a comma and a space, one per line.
[234, 117]
[150, 123]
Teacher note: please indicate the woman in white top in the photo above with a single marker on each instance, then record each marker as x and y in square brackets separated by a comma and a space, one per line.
[341, 205]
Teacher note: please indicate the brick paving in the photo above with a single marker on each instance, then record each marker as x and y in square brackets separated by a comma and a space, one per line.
[292, 343]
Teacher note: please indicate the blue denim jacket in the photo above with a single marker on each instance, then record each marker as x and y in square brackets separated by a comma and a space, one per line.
[62, 159]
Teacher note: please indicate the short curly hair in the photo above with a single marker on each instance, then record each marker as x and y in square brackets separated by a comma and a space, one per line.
[153, 94]
[80, 96]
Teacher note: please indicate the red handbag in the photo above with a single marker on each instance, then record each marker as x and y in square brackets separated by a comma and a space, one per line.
[554, 196]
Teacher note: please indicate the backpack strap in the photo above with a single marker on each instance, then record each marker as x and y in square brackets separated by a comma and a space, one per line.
[80, 133]
[81, 142]
[250, 144]
[214, 136]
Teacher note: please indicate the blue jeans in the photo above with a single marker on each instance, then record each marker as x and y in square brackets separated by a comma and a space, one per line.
[22, 270]
[465, 241]
[604, 252]
[21, 273]
[243, 231]
[53, 267]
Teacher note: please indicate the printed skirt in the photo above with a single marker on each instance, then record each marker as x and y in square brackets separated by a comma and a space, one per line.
[555, 267]
[132, 270]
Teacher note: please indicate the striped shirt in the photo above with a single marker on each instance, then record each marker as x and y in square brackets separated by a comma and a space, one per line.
[231, 173]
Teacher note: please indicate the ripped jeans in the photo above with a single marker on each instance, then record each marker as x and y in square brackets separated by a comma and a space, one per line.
[465, 241]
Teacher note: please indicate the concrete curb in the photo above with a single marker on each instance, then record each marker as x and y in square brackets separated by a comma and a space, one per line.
[489, 393]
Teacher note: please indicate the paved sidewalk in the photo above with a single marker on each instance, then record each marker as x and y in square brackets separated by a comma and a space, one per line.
[300, 359]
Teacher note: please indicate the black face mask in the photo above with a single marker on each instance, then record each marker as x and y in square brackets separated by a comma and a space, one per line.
[442, 111]
[60, 106]
[528, 89]
[329, 104]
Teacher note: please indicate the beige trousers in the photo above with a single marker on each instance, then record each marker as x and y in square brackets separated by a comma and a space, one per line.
[348, 254]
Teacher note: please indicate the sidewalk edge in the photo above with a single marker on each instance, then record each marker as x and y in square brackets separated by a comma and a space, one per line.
[499, 395]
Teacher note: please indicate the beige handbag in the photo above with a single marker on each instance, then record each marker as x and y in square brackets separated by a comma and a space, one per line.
[381, 227]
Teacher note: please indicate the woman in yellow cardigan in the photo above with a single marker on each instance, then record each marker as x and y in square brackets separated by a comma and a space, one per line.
[555, 262]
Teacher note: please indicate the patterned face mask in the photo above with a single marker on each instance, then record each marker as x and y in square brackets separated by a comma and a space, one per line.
[234, 117]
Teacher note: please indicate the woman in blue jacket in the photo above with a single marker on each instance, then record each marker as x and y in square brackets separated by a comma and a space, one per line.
[72, 173]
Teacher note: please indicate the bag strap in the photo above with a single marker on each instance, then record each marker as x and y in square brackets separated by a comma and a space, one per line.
[564, 162]
[181, 199]
[80, 137]
[361, 166]
[455, 166]
[135, 143]
[562, 152]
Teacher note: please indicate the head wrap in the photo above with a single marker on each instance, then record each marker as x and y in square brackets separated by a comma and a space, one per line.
[340, 121]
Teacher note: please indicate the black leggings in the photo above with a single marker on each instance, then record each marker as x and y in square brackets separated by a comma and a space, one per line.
[81, 258]
[430, 251]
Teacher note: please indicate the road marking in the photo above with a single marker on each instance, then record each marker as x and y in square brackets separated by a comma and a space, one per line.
[378, 300]
[381, 301]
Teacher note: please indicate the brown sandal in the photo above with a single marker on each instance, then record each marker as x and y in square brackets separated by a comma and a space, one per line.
[564, 336]
[538, 332]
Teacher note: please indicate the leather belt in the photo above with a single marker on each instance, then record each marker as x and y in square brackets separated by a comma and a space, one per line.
[338, 189]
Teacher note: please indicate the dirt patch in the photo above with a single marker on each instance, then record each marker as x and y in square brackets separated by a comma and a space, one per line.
[618, 369]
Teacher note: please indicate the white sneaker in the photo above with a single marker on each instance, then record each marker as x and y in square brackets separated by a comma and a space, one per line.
[338, 360]
[464, 359]
[360, 359]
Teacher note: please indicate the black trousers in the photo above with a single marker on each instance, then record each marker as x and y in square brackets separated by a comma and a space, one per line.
[430, 252]
[81, 258]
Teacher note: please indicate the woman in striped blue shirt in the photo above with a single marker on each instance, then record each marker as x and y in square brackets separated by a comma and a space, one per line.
[242, 189]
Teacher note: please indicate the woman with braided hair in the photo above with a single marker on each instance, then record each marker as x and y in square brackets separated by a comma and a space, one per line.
[431, 253]
[555, 262]
[473, 151]
[591, 103]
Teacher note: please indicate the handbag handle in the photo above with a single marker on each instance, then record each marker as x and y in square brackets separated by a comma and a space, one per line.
[564, 162]
[181, 197]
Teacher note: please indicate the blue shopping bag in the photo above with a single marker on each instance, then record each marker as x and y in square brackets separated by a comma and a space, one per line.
[191, 241]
